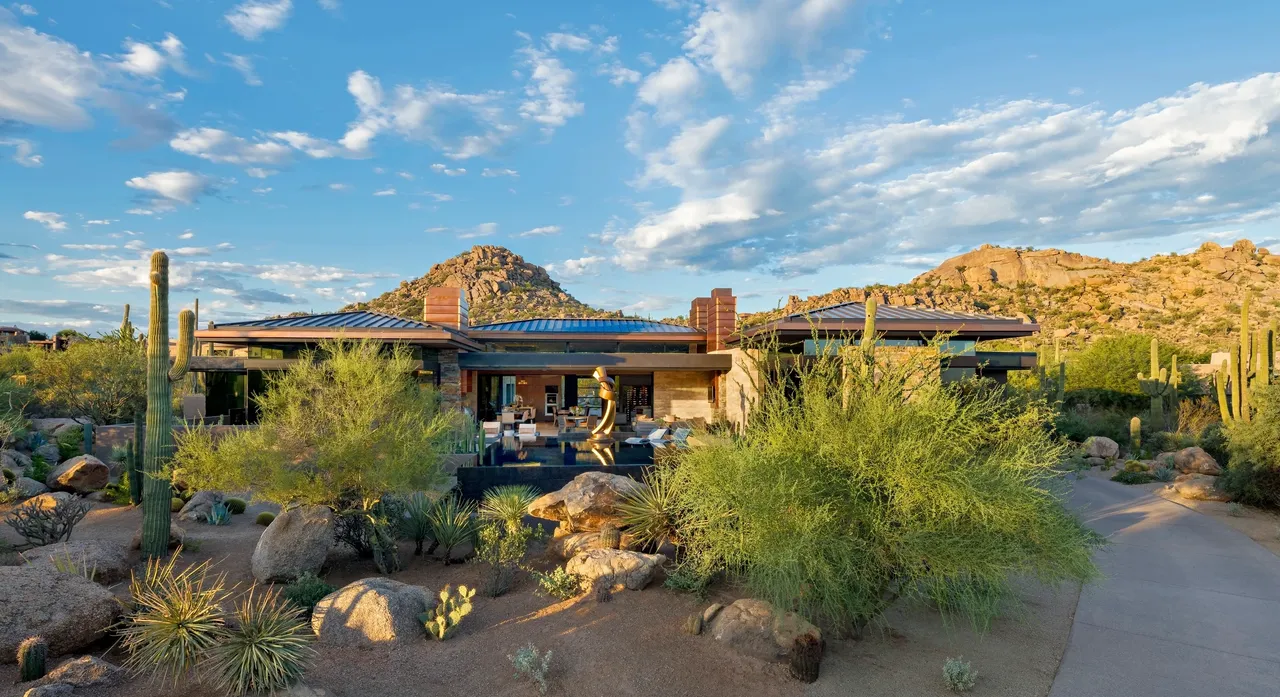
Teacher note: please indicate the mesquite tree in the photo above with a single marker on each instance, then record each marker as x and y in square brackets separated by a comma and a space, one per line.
[159, 430]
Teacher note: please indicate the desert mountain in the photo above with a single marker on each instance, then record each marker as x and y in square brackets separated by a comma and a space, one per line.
[1187, 299]
[500, 285]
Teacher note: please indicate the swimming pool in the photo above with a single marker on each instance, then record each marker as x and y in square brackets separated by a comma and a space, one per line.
[544, 451]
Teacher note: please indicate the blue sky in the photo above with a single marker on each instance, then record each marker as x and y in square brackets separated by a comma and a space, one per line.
[297, 155]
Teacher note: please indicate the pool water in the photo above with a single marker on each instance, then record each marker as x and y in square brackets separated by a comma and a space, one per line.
[543, 451]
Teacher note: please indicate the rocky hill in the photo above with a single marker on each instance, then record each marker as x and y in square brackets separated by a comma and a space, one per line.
[1191, 300]
[500, 285]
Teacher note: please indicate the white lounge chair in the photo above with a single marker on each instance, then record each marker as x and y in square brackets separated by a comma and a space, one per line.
[654, 438]
[492, 429]
[528, 430]
[680, 438]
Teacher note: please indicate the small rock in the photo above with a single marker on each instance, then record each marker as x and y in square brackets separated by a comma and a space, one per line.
[86, 671]
[56, 689]
[1195, 460]
[710, 613]
[371, 612]
[1199, 487]
[50, 453]
[297, 541]
[14, 460]
[1095, 461]
[108, 561]
[28, 487]
[752, 627]
[301, 690]
[81, 474]
[1101, 446]
[198, 509]
[587, 502]
[616, 567]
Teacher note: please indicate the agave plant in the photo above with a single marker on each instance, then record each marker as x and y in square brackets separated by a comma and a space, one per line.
[417, 520]
[508, 504]
[219, 514]
[176, 619]
[266, 648]
[452, 523]
[648, 513]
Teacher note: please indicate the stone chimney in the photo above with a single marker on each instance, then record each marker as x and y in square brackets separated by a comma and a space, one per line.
[446, 307]
[722, 318]
[699, 313]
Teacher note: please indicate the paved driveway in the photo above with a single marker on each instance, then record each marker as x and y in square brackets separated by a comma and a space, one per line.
[1188, 606]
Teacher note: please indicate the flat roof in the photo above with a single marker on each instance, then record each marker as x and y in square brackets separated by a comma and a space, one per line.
[894, 320]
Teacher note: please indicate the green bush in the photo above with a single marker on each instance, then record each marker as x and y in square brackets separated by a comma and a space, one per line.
[508, 504]
[70, 442]
[1079, 423]
[9, 476]
[103, 379]
[176, 619]
[502, 548]
[856, 484]
[264, 518]
[307, 590]
[958, 675]
[1131, 477]
[1105, 373]
[264, 649]
[531, 665]
[39, 469]
[1214, 441]
[558, 584]
[1253, 473]
[235, 506]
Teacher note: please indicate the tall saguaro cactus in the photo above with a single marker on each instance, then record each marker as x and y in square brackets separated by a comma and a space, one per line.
[126, 327]
[1155, 385]
[159, 430]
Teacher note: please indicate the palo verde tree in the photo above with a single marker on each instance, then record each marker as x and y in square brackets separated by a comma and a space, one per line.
[344, 426]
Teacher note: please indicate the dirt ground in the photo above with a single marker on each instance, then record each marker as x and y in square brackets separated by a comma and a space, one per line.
[631, 646]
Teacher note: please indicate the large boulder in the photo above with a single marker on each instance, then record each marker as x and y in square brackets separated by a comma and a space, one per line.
[68, 610]
[14, 460]
[1199, 487]
[587, 502]
[198, 509]
[28, 487]
[81, 474]
[1196, 461]
[754, 628]
[46, 501]
[49, 452]
[297, 541]
[86, 671]
[371, 612]
[567, 545]
[53, 426]
[616, 567]
[109, 561]
[1101, 446]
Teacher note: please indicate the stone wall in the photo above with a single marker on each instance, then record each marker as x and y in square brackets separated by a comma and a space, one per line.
[450, 379]
[738, 391]
[683, 394]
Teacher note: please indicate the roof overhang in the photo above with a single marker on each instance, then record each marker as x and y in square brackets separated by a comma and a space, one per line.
[587, 362]
[439, 338]
[977, 329]
[691, 336]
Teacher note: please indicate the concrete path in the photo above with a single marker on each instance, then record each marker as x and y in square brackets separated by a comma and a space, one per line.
[1188, 606]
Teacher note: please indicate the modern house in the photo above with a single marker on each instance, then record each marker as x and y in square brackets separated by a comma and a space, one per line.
[661, 369]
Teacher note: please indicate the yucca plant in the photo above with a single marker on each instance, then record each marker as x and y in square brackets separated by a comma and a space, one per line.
[266, 647]
[648, 514]
[452, 523]
[175, 621]
[508, 504]
[417, 520]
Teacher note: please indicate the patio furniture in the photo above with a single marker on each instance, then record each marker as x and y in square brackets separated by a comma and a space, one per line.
[491, 429]
[680, 438]
[528, 430]
[655, 437]
[575, 421]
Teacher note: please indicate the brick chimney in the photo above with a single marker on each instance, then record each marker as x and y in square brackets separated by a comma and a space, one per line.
[722, 318]
[699, 313]
[446, 307]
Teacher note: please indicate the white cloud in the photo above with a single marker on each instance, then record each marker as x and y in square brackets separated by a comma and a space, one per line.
[52, 222]
[149, 60]
[683, 162]
[557, 41]
[1075, 91]
[314, 147]
[405, 175]
[179, 186]
[219, 146]
[253, 18]
[44, 80]
[24, 153]
[671, 88]
[566, 201]
[24, 9]
[577, 268]
[259, 172]
[339, 186]
[89, 247]
[618, 73]
[445, 170]
[262, 190]
[481, 230]
[102, 221]
[436, 229]
[244, 66]
[780, 110]
[385, 192]
[186, 235]
[550, 99]
[540, 231]
[330, 5]
[499, 172]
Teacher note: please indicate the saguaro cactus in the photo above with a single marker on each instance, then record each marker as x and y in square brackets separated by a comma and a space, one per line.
[1156, 385]
[1248, 362]
[1135, 435]
[126, 327]
[159, 434]
[135, 460]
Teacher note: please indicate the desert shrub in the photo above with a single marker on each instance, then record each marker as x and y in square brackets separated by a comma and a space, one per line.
[264, 518]
[1195, 415]
[508, 504]
[1105, 373]
[958, 675]
[345, 426]
[502, 549]
[858, 483]
[1235, 509]
[9, 475]
[1131, 477]
[1169, 441]
[175, 620]
[45, 525]
[1164, 474]
[70, 442]
[66, 563]
[442, 620]
[532, 666]
[1214, 441]
[235, 506]
[1079, 423]
[307, 590]
[39, 469]
[265, 648]
[416, 524]
[1253, 473]
[648, 514]
[453, 523]
[559, 584]
[686, 579]
[103, 379]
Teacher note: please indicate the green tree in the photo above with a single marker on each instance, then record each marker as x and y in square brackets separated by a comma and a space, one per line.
[341, 427]
[1253, 475]
[1106, 370]
[852, 489]
[103, 379]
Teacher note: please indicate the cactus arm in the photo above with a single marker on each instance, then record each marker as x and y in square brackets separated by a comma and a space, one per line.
[1220, 379]
[186, 339]
[126, 327]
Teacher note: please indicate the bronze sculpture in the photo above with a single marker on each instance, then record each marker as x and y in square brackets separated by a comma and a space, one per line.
[603, 432]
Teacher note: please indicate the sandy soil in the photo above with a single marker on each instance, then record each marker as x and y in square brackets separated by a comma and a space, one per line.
[631, 646]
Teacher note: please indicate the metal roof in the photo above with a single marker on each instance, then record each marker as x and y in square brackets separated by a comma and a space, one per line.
[603, 325]
[360, 319]
[858, 311]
